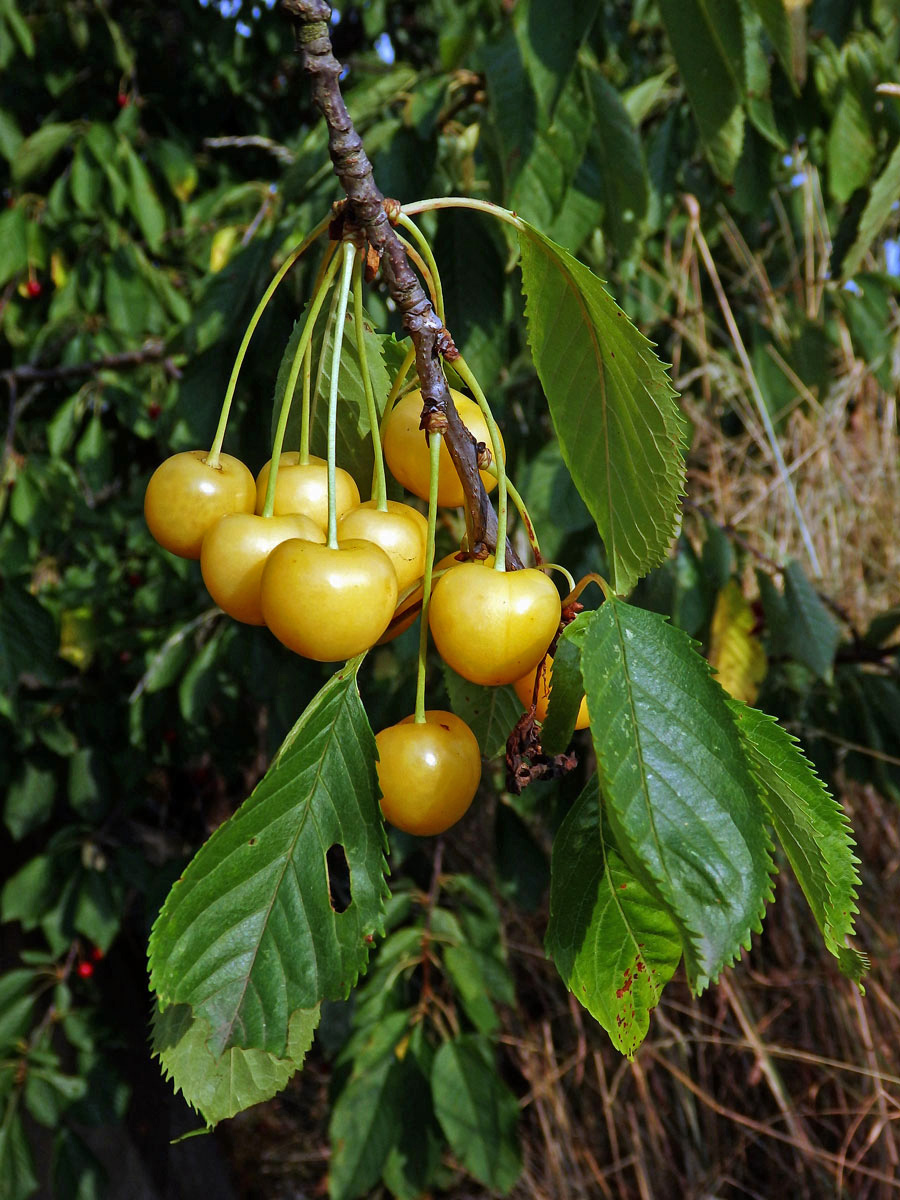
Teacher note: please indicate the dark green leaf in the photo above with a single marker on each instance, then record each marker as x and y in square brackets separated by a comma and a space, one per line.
[681, 801]
[811, 635]
[37, 152]
[143, 200]
[812, 828]
[354, 442]
[878, 209]
[706, 39]
[365, 1125]
[539, 156]
[248, 934]
[851, 149]
[16, 1005]
[489, 712]
[17, 1178]
[778, 25]
[566, 694]
[13, 243]
[616, 163]
[28, 639]
[612, 405]
[473, 283]
[29, 801]
[614, 944]
[77, 1173]
[476, 1111]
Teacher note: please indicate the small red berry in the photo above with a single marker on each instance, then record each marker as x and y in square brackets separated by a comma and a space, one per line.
[122, 99]
[96, 953]
[134, 579]
[153, 410]
[85, 970]
[33, 288]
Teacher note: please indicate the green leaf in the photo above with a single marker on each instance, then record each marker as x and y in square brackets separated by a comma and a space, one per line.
[37, 152]
[681, 801]
[566, 692]
[248, 934]
[218, 1086]
[16, 1006]
[10, 135]
[13, 243]
[811, 635]
[612, 406]
[549, 34]
[778, 25]
[707, 42]
[850, 147]
[17, 1177]
[143, 200]
[77, 1173]
[614, 944]
[28, 639]
[878, 209]
[490, 712]
[28, 894]
[354, 442]
[19, 26]
[812, 828]
[476, 1111]
[538, 155]
[616, 165]
[473, 282]
[29, 801]
[365, 1126]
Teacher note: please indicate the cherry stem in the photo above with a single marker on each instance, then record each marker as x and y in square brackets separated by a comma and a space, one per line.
[483, 206]
[578, 588]
[212, 458]
[463, 371]
[343, 295]
[305, 341]
[327, 259]
[427, 253]
[516, 497]
[320, 365]
[566, 574]
[421, 266]
[434, 446]
[379, 484]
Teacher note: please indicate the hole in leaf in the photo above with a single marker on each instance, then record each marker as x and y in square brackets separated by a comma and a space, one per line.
[338, 878]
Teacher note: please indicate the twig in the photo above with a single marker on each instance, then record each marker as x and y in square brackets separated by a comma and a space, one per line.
[256, 141]
[153, 351]
[366, 211]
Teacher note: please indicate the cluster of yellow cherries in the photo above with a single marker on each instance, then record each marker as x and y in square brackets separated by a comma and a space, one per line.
[296, 550]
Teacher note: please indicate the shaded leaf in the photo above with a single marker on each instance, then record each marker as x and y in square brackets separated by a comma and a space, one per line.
[811, 634]
[490, 712]
[354, 443]
[16, 1163]
[706, 39]
[681, 801]
[812, 828]
[850, 147]
[613, 943]
[879, 206]
[612, 405]
[248, 935]
[566, 692]
[365, 1125]
[37, 152]
[476, 1111]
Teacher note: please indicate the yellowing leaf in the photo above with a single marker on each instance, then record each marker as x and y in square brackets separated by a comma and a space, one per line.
[59, 272]
[77, 636]
[220, 251]
[735, 653]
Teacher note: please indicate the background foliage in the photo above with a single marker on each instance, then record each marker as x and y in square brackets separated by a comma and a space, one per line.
[734, 172]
